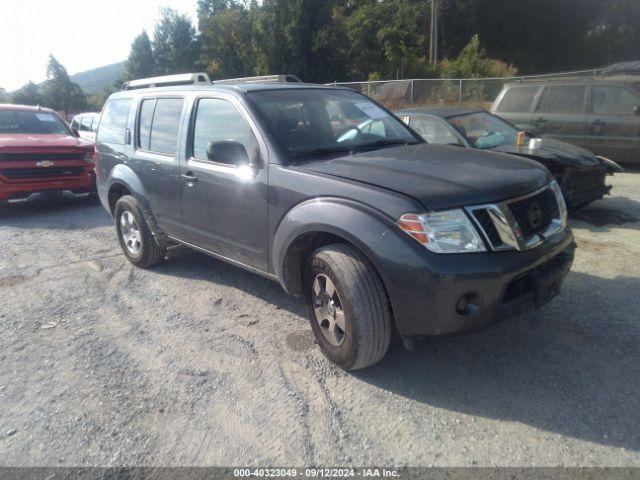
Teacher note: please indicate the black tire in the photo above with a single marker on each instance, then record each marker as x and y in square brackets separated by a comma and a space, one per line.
[149, 252]
[363, 299]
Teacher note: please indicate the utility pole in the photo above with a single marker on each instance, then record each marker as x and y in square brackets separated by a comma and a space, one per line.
[433, 40]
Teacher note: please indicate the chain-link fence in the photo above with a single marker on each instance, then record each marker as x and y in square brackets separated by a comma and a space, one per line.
[436, 91]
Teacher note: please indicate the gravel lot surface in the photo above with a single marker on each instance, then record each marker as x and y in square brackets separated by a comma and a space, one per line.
[198, 363]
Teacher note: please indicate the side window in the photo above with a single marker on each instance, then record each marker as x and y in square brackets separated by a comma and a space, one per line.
[518, 99]
[114, 121]
[165, 125]
[566, 99]
[218, 120]
[96, 121]
[85, 123]
[75, 123]
[614, 100]
[433, 131]
[144, 122]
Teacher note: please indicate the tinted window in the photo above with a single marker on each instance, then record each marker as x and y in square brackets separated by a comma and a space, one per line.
[566, 99]
[218, 120]
[113, 125]
[164, 128]
[85, 123]
[433, 131]
[37, 122]
[518, 99]
[614, 100]
[144, 124]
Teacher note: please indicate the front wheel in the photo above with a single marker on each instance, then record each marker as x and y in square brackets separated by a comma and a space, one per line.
[136, 239]
[348, 307]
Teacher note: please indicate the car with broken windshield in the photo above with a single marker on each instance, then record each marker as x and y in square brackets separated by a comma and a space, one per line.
[329, 194]
[580, 174]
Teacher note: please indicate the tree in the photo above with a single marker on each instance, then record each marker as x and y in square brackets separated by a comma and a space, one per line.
[175, 47]
[226, 39]
[59, 92]
[29, 94]
[140, 63]
[3, 95]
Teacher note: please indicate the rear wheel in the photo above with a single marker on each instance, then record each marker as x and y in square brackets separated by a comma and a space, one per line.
[348, 307]
[136, 240]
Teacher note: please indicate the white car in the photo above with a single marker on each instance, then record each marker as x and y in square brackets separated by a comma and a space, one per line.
[84, 125]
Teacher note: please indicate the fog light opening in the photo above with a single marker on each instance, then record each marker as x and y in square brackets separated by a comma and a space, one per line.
[468, 304]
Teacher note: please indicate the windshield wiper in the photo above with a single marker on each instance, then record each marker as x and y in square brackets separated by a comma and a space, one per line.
[320, 152]
[381, 143]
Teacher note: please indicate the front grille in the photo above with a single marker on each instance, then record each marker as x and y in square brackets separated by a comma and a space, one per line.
[521, 223]
[22, 173]
[534, 214]
[19, 156]
[483, 218]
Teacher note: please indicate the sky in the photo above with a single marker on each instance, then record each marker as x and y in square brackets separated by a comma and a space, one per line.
[81, 34]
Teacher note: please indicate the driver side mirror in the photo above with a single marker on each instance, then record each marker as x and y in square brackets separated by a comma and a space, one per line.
[228, 151]
[75, 132]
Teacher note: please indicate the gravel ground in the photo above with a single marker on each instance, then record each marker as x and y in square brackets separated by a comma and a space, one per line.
[198, 363]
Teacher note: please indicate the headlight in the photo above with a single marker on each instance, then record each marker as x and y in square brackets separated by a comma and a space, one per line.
[450, 231]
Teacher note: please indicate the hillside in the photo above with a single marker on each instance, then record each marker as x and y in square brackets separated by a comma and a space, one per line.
[94, 80]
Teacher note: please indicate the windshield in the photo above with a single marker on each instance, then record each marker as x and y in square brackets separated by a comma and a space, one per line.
[313, 122]
[483, 130]
[25, 121]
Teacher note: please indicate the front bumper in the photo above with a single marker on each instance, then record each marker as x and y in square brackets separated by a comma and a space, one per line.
[582, 186]
[425, 289]
[30, 190]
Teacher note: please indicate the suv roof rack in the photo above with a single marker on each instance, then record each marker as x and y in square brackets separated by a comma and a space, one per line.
[168, 81]
[262, 79]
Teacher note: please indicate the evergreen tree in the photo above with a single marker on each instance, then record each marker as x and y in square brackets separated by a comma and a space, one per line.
[140, 63]
[175, 46]
[59, 92]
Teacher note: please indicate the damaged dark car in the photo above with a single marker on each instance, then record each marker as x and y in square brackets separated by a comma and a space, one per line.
[580, 173]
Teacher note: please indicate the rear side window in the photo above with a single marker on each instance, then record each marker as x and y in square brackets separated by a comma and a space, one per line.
[518, 99]
[159, 125]
[113, 125]
[614, 100]
[564, 99]
[218, 120]
[74, 123]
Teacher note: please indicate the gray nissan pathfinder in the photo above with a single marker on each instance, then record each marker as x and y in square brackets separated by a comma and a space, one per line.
[328, 193]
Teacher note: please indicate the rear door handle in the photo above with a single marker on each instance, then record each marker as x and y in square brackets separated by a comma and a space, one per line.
[189, 177]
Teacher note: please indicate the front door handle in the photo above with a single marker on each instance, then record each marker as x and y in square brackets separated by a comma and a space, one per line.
[189, 177]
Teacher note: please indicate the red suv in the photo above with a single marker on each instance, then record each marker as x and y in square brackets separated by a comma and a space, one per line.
[40, 156]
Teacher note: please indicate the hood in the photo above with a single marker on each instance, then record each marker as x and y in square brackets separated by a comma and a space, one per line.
[554, 151]
[439, 176]
[23, 140]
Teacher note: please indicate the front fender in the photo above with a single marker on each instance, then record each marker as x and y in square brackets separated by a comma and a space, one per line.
[357, 223]
[124, 177]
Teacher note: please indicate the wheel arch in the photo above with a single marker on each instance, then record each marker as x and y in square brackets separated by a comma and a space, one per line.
[124, 181]
[321, 222]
